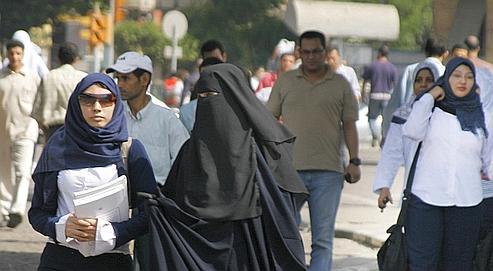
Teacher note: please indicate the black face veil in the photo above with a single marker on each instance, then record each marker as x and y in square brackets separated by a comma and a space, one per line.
[214, 175]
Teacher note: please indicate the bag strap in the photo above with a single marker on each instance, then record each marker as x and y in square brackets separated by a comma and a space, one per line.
[407, 192]
[124, 150]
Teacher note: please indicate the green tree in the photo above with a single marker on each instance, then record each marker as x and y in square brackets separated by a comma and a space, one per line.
[147, 38]
[248, 29]
[144, 37]
[22, 14]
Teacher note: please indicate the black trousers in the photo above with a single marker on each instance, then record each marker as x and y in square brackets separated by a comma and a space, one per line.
[57, 257]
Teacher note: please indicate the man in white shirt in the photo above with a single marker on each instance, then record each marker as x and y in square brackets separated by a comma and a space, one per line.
[335, 63]
[19, 132]
[51, 102]
[156, 126]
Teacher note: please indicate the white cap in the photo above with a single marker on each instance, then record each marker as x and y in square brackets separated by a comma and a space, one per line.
[129, 62]
[285, 46]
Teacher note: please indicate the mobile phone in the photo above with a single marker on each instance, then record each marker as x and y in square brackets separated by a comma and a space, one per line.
[347, 177]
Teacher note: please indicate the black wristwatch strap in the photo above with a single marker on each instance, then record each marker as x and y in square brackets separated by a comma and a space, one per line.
[355, 161]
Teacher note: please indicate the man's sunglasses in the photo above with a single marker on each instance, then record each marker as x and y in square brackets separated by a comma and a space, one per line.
[105, 100]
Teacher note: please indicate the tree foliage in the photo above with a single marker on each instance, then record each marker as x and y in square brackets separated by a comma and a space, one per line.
[22, 14]
[248, 29]
[147, 38]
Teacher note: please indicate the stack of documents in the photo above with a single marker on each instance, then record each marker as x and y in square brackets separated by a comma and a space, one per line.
[108, 201]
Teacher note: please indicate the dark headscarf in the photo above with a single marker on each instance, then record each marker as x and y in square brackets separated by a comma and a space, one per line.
[77, 144]
[468, 109]
[213, 176]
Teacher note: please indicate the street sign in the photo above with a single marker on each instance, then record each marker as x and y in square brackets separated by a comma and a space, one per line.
[175, 21]
[168, 52]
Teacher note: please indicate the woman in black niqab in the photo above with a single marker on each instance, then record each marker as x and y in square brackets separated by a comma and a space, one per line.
[229, 201]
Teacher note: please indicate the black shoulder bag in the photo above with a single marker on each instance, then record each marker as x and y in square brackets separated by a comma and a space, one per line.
[392, 256]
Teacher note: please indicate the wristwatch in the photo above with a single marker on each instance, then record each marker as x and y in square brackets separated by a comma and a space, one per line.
[355, 161]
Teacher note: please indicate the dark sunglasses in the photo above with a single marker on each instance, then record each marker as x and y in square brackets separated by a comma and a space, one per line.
[312, 52]
[105, 100]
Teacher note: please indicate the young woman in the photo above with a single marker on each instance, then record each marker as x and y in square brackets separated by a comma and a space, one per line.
[401, 150]
[444, 210]
[85, 153]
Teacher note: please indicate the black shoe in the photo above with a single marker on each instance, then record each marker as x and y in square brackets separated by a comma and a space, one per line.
[14, 220]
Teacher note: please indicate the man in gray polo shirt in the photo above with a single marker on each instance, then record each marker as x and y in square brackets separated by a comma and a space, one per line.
[155, 125]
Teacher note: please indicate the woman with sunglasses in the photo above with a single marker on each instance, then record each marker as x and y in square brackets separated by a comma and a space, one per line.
[86, 153]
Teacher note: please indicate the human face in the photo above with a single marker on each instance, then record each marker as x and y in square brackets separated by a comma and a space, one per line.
[461, 81]
[15, 55]
[423, 81]
[287, 62]
[131, 86]
[312, 55]
[459, 52]
[100, 112]
[334, 59]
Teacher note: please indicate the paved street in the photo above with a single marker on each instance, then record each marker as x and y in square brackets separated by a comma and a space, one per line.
[360, 225]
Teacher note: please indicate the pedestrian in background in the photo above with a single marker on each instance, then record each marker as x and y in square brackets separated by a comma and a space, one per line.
[212, 52]
[382, 76]
[436, 52]
[337, 65]
[84, 154]
[400, 150]
[19, 133]
[318, 106]
[32, 59]
[444, 211]
[51, 101]
[264, 88]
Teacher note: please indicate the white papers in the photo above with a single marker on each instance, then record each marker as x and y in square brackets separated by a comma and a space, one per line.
[108, 201]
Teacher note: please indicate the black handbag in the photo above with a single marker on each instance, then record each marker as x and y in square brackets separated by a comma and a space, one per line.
[483, 260]
[392, 256]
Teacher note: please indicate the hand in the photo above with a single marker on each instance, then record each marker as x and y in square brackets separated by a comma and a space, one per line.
[81, 229]
[438, 93]
[353, 172]
[384, 197]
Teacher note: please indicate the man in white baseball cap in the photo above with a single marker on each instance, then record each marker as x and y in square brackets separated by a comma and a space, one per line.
[148, 120]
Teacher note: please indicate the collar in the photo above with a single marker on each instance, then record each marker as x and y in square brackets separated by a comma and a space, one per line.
[7, 71]
[141, 112]
[329, 74]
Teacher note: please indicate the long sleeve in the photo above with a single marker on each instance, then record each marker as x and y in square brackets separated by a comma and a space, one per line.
[141, 179]
[416, 125]
[274, 102]
[42, 214]
[391, 159]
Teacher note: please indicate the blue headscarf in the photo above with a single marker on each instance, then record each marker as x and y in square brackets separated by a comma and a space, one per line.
[77, 144]
[468, 109]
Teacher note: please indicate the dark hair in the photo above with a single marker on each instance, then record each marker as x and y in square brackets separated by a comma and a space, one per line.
[383, 50]
[312, 35]
[139, 72]
[459, 46]
[331, 48]
[68, 53]
[14, 43]
[210, 46]
[434, 47]
[472, 42]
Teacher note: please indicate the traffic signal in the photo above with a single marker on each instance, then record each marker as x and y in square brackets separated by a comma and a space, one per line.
[98, 29]
[120, 11]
